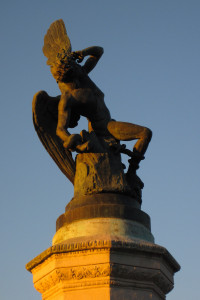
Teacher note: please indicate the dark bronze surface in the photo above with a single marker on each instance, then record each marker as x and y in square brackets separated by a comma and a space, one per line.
[103, 206]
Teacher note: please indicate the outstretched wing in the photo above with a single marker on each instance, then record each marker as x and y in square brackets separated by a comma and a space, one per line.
[56, 41]
[45, 117]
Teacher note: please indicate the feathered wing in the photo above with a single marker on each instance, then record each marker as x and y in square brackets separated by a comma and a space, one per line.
[45, 118]
[56, 41]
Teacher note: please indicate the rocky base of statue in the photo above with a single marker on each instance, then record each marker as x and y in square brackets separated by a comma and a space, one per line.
[104, 173]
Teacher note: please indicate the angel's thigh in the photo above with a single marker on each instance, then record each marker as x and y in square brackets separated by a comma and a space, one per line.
[126, 131]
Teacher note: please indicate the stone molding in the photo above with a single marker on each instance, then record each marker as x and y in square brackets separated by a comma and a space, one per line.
[138, 246]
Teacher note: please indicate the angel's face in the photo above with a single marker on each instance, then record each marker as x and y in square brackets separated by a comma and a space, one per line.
[70, 73]
[73, 72]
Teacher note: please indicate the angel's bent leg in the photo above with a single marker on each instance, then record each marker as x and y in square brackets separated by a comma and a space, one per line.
[126, 132]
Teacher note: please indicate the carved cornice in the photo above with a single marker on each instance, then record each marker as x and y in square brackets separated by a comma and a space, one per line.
[111, 245]
[112, 274]
[71, 275]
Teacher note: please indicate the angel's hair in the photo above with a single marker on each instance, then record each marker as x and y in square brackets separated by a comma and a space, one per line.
[63, 68]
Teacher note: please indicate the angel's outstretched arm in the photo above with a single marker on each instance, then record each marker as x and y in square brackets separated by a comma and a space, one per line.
[95, 53]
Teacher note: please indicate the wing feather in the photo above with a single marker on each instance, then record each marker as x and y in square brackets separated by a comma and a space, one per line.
[45, 117]
[55, 41]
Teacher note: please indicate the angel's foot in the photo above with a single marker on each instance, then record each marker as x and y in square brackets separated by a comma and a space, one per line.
[83, 148]
[136, 157]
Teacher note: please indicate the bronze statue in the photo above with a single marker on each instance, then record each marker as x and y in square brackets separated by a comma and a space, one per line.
[53, 116]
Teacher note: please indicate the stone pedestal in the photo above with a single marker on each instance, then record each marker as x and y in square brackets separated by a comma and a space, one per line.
[104, 269]
[103, 249]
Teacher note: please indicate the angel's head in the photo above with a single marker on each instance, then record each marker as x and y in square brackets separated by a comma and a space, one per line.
[64, 67]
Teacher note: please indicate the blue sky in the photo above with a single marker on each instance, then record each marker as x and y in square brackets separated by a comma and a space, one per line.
[150, 74]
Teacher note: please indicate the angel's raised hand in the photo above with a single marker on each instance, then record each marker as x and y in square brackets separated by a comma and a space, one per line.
[77, 55]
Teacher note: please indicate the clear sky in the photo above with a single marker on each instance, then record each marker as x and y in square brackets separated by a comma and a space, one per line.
[150, 74]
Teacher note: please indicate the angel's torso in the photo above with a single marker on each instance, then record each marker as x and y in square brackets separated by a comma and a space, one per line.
[87, 100]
